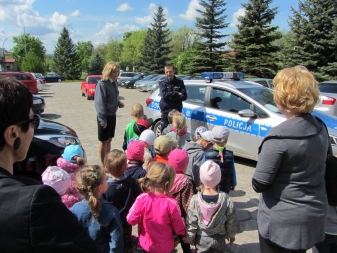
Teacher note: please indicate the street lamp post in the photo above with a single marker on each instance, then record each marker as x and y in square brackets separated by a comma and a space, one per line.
[4, 57]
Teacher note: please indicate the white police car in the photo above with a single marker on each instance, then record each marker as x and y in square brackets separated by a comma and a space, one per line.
[246, 108]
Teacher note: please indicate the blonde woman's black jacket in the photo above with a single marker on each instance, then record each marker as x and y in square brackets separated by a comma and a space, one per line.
[33, 219]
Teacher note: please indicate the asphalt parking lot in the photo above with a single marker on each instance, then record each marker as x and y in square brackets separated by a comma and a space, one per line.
[64, 104]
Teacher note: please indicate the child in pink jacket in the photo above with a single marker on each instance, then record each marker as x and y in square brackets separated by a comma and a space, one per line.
[71, 161]
[155, 212]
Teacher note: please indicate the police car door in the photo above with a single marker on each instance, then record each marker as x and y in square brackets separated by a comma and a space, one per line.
[193, 107]
[222, 109]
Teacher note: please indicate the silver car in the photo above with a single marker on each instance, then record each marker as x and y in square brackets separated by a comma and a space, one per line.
[328, 98]
[247, 109]
[143, 86]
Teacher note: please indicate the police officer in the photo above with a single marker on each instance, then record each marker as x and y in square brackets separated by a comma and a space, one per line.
[172, 92]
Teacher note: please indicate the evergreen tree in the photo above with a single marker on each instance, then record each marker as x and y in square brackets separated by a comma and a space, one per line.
[155, 53]
[32, 63]
[66, 59]
[208, 53]
[315, 28]
[255, 50]
[146, 56]
[97, 65]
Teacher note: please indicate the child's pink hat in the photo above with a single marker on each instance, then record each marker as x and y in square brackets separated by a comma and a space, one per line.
[57, 178]
[210, 174]
[135, 150]
[178, 159]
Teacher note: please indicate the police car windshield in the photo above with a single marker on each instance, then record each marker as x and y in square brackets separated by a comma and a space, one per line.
[262, 95]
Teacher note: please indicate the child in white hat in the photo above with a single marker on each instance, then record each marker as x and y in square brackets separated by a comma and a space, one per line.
[211, 217]
[148, 137]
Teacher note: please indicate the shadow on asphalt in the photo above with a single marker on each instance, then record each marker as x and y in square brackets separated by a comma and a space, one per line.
[245, 162]
[244, 248]
[254, 202]
[50, 116]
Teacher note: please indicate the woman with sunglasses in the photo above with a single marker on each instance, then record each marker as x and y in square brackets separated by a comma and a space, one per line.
[32, 217]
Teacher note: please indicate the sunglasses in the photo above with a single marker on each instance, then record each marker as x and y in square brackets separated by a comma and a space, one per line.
[35, 121]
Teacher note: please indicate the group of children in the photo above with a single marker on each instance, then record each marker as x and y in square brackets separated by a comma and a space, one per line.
[173, 188]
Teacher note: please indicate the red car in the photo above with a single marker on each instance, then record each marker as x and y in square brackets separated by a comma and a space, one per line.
[88, 86]
[24, 77]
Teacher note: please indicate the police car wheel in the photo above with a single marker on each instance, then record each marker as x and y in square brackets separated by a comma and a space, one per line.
[157, 128]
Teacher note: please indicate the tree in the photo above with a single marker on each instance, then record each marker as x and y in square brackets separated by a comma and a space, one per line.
[32, 63]
[254, 44]
[113, 50]
[100, 49]
[132, 48]
[209, 51]
[182, 60]
[184, 38]
[66, 60]
[286, 45]
[97, 65]
[26, 43]
[155, 49]
[315, 28]
[84, 50]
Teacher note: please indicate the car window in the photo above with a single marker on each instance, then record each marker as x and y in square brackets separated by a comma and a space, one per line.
[196, 94]
[156, 78]
[263, 82]
[227, 101]
[137, 76]
[94, 80]
[328, 87]
[262, 95]
[25, 77]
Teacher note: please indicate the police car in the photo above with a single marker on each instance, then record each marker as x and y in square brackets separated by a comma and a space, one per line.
[246, 108]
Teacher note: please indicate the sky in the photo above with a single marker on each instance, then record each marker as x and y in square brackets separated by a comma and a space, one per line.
[99, 20]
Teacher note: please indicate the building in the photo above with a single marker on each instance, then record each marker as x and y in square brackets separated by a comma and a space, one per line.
[7, 63]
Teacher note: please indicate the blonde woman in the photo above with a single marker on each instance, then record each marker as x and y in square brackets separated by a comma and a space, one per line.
[106, 104]
[291, 167]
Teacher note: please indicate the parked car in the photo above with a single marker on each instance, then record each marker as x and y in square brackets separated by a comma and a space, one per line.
[328, 97]
[52, 77]
[125, 75]
[146, 78]
[24, 77]
[129, 83]
[38, 104]
[48, 143]
[88, 85]
[247, 109]
[266, 82]
[143, 86]
[40, 81]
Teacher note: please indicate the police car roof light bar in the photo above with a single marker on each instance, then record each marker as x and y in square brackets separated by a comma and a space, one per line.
[209, 76]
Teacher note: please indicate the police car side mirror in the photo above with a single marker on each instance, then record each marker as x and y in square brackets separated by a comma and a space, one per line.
[247, 113]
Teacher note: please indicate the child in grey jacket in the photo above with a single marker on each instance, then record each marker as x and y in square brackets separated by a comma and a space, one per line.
[211, 217]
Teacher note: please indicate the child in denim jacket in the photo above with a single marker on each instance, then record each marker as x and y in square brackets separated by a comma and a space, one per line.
[100, 218]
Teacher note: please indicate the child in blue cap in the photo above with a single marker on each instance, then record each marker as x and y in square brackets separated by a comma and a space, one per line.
[72, 160]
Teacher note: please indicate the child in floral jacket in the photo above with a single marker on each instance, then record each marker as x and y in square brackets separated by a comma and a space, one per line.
[71, 161]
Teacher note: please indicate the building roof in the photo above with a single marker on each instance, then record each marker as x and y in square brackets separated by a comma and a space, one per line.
[9, 60]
